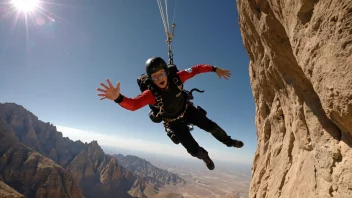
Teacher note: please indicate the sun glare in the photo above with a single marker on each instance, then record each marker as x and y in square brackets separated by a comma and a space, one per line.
[25, 5]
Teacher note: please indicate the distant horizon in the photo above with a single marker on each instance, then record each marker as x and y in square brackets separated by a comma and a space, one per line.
[166, 162]
[167, 149]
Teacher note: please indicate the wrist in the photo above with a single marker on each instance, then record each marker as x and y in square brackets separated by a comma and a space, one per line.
[119, 98]
[214, 68]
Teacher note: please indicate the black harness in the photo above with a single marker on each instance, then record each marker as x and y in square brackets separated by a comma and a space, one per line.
[159, 101]
[157, 111]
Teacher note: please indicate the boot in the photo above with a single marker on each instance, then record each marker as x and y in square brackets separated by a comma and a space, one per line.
[203, 155]
[234, 143]
[222, 136]
[208, 162]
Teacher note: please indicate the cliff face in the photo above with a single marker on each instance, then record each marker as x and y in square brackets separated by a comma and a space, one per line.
[29, 173]
[98, 174]
[301, 76]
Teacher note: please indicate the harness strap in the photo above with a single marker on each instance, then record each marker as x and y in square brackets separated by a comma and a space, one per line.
[158, 98]
[178, 83]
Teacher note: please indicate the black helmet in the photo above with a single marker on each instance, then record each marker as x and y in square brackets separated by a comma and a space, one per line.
[155, 64]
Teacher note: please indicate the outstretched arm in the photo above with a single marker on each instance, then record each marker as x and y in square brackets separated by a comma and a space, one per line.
[136, 103]
[202, 68]
[132, 104]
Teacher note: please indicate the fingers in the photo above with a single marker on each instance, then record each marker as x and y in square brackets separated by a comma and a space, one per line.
[226, 75]
[102, 96]
[102, 84]
[110, 85]
[105, 94]
[102, 90]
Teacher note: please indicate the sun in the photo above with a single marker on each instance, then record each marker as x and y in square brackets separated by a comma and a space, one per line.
[25, 5]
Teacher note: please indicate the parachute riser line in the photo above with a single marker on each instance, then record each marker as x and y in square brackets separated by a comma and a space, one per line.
[168, 41]
[165, 20]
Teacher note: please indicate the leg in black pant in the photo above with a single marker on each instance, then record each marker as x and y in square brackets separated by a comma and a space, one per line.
[185, 137]
[198, 118]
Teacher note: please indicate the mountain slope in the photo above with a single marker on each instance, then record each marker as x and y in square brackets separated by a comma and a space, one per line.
[8, 192]
[151, 179]
[98, 174]
[143, 168]
[30, 173]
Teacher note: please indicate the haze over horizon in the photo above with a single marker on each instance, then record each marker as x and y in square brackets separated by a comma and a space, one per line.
[138, 146]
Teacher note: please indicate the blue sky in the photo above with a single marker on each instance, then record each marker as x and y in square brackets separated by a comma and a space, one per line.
[53, 65]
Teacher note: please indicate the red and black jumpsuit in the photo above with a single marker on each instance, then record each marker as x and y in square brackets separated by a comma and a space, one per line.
[174, 103]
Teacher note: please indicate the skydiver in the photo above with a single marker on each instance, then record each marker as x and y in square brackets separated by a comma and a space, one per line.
[176, 110]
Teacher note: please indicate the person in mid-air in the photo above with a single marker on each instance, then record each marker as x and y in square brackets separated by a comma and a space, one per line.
[174, 107]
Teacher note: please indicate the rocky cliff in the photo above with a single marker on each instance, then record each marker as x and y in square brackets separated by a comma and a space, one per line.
[301, 76]
[8, 192]
[25, 171]
[148, 171]
[97, 173]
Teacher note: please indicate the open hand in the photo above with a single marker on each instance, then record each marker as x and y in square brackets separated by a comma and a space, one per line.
[223, 73]
[109, 92]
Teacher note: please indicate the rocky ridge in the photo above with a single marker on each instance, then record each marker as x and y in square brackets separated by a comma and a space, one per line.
[25, 172]
[85, 164]
[8, 192]
[148, 171]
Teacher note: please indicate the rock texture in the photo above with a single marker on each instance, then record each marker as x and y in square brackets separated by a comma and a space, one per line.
[29, 173]
[143, 189]
[150, 178]
[149, 172]
[8, 192]
[97, 173]
[301, 76]
[232, 196]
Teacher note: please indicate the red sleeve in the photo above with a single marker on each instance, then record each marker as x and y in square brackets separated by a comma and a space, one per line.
[197, 69]
[139, 101]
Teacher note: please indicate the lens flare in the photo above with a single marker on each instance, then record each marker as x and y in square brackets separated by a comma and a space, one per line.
[25, 5]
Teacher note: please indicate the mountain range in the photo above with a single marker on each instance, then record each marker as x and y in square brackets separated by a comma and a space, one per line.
[37, 161]
[143, 168]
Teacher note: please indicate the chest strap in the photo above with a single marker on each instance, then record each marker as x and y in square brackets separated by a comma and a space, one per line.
[158, 98]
